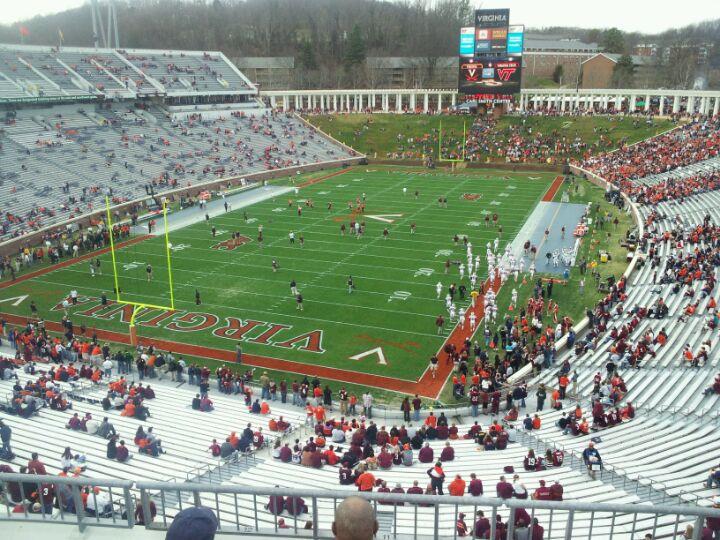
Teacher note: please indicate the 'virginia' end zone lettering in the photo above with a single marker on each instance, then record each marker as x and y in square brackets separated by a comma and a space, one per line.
[233, 328]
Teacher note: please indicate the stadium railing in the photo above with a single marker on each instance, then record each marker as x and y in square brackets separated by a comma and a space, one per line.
[441, 512]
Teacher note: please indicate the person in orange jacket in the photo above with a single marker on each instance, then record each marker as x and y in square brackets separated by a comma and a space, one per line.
[457, 486]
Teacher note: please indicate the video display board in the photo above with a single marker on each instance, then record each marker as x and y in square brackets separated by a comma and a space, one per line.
[515, 39]
[500, 75]
[467, 41]
[495, 67]
[491, 31]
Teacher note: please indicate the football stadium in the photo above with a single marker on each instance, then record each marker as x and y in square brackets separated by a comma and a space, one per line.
[345, 293]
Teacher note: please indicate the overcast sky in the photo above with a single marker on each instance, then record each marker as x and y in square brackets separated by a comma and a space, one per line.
[648, 16]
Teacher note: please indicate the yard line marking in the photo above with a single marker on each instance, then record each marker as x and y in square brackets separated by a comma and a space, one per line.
[233, 309]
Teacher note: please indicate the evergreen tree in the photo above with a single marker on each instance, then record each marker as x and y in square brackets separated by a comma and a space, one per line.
[623, 72]
[613, 41]
[307, 58]
[355, 52]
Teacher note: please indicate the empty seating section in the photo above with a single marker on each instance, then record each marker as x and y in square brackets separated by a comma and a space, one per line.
[36, 71]
[187, 72]
[91, 150]
[32, 82]
[105, 71]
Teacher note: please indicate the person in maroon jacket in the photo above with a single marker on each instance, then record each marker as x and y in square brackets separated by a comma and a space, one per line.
[426, 454]
[504, 489]
[537, 532]
[448, 453]
[286, 453]
[384, 489]
[542, 493]
[35, 466]
[384, 459]
[713, 523]
[556, 492]
[276, 504]
[382, 437]
[416, 405]
[482, 525]
[443, 432]
[399, 490]
[475, 487]
[501, 440]
[140, 516]
[558, 456]
[415, 489]
[521, 515]
[122, 454]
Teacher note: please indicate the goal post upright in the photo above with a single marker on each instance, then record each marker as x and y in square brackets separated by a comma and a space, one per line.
[167, 251]
[137, 307]
[450, 160]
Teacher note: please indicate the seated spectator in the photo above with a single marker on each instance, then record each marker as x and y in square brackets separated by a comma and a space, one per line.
[121, 453]
[215, 448]
[286, 453]
[556, 491]
[448, 453]
[407, 455]
[206, 404]
[365, 481]
[457, 486]
[347, 477]
[276, 504]
[542, 493]
[384, 458]
[329, 456]
[105, 429]
[426, 454]
[35, 466]
[475, 488]
[504, 489]
[519, 490]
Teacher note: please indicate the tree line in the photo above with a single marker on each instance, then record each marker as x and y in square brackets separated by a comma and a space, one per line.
[329, 39]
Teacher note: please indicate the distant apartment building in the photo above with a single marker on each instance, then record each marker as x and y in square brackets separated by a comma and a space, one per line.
[268, 72]
[544, 52]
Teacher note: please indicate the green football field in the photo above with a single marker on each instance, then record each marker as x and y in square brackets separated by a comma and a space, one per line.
[393, 306]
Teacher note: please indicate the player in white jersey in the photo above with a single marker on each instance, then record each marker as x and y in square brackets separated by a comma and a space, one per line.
[514, 297]
[461, 268]
[473, 280]
[532, 269]
[496, 244]
[473, 320]
[453, 312]
[461, 317]
[438, 288]
[448, 301]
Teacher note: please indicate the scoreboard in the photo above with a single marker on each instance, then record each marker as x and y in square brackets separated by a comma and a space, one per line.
[491, 56]
[485, 75]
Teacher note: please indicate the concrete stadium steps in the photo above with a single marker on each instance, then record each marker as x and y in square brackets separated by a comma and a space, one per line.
[171, 415]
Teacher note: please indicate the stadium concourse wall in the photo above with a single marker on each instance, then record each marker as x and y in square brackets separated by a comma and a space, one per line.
[15, 245]
[496, 165]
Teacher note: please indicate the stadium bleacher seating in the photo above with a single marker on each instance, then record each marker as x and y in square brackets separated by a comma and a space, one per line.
[92, 150]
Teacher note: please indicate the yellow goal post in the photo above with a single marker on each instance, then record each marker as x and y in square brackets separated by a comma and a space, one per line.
[138, 306]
